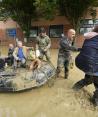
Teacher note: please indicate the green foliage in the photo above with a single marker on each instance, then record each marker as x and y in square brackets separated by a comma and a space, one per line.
[22, 11]
[25, 11]
[93, 13]
[74, 10]
[46, 8]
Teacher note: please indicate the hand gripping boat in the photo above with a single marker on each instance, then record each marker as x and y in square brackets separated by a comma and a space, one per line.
[24, 79]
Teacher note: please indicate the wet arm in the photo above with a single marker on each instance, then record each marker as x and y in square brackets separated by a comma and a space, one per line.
[66, 46]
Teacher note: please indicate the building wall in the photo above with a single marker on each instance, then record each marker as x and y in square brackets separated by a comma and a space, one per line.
[5, 39]
[58, 20]
[9, 24]
[61, 20]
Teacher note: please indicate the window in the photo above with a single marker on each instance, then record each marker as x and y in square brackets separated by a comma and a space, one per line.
[11, 32]
[87, 25]
[55, 31]
[84, 30]
[33, 32]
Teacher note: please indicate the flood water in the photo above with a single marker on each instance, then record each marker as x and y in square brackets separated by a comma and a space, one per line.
[55, 101]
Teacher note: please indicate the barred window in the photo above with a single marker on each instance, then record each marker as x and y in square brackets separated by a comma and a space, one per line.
[33, 32]
[55, 31]
[86, 25]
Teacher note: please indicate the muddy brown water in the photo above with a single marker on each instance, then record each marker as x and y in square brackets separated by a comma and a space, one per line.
[56, 101]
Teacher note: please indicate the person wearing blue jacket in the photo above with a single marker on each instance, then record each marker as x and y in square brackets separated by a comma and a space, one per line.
[87, 61]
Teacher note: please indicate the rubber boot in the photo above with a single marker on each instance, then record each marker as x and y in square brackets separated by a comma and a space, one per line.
[79, 85]
[66, 75]
[95, 98]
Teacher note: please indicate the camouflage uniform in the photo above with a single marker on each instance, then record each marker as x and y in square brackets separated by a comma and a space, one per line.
[44, 43]
[64, 55]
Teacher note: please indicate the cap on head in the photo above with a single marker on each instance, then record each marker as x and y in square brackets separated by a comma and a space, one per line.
[42, 30]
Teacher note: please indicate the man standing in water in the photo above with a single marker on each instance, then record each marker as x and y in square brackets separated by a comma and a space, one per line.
[64, 55]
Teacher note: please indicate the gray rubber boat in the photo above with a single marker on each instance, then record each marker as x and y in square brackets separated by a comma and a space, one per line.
[24, 79]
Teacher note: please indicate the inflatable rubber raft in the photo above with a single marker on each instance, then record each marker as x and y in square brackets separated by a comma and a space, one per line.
[24, 79]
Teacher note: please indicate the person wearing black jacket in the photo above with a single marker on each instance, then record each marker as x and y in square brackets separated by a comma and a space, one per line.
[10, 59]
[64, 54]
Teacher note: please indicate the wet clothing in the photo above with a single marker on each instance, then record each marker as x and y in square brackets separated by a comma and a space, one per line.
[64, 55]
[88, 79]
[44, 43]
[87, 61]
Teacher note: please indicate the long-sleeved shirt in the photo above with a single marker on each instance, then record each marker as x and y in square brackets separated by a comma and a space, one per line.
[43, 42]
[65, 47]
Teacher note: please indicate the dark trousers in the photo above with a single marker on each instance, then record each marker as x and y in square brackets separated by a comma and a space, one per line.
[9, 60]
[88, 79]
[66, 66]
[2, 63]
[95, 96]
[62, 63]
